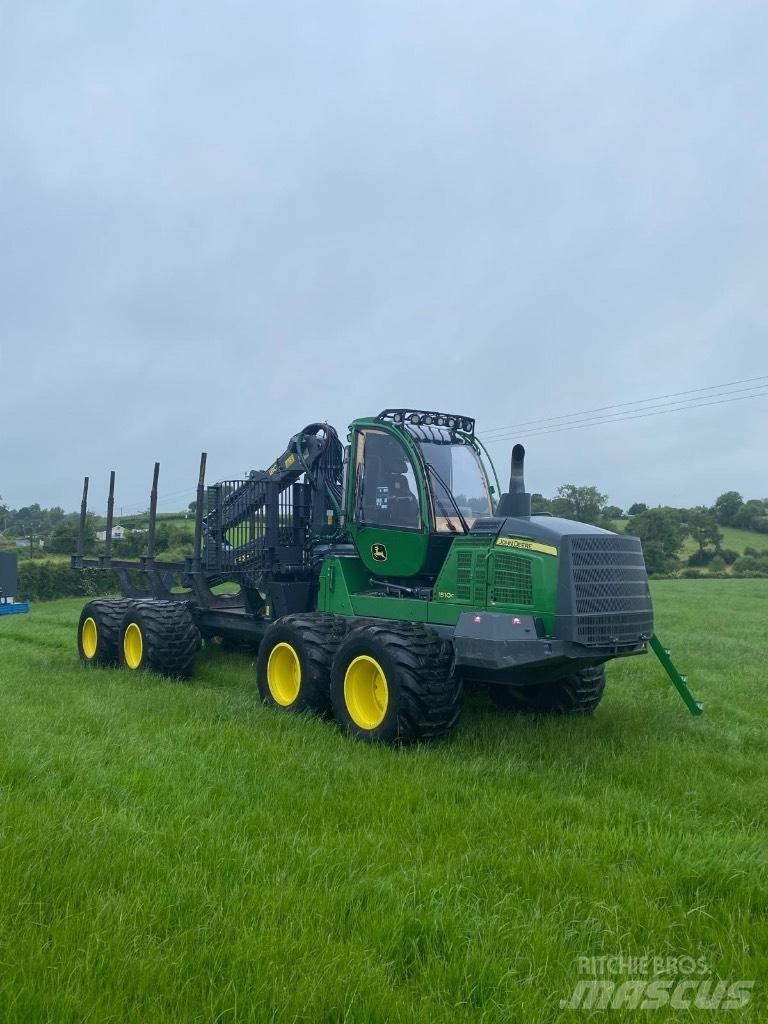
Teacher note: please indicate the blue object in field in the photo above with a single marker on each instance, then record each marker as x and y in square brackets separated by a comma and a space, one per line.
[9, 584]
[8, 608]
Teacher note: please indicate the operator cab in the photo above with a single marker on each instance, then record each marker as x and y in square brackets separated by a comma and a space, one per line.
[414, 481]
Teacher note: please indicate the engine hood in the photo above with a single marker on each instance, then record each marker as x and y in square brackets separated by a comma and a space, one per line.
[603, 598]
[547, 529]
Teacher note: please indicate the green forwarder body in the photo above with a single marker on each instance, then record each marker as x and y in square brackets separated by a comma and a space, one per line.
[376, 577]
[506, 597]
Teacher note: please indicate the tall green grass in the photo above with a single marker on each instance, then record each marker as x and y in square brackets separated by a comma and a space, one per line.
[176, 852]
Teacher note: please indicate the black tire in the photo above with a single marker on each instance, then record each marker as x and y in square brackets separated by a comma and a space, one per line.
[169, 638]
[577, 694]
[98, 632]
[422, 698]
[313, 639]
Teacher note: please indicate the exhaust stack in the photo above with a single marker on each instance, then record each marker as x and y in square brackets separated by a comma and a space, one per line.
[517, 501]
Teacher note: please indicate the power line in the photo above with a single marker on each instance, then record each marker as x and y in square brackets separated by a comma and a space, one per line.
[634, 416]
[631, 416]
[163, 497]
[679, 405]
[622, 405]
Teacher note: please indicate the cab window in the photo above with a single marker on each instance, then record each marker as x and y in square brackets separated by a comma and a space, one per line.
[386, 482]
[457, 483]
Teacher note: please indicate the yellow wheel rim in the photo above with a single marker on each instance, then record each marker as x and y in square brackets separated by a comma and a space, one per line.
[89, 638]
[133, 645]
[284, 674]
[366, 693]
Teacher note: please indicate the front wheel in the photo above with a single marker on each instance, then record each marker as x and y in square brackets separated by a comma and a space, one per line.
[578, 694]
[392, 683]
[293, 671]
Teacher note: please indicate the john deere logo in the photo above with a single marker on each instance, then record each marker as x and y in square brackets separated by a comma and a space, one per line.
[379, 552]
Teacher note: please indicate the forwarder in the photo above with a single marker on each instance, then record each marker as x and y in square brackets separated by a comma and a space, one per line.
[377, 579]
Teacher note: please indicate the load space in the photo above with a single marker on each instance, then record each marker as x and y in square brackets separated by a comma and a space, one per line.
[377, 580]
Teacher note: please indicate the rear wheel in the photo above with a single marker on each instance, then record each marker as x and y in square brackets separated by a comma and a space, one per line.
[293, 671]
[98, 632]
[392, 683]
[160, 636]
[578, 693]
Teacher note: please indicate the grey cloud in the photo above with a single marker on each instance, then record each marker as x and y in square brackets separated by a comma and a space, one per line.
[221, 222]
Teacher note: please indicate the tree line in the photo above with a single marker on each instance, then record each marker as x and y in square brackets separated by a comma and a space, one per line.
[664, 529]
[52, 530]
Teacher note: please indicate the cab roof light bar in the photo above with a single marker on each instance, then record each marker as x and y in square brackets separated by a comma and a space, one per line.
[423, 418]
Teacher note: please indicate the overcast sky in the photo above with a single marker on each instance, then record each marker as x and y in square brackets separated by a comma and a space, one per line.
[219, 222]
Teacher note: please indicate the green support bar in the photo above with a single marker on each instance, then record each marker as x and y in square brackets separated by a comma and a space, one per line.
[679, 681]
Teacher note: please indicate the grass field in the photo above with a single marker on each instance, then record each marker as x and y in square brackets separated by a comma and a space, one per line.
[734, 539]
[175, 852]
[737, 540]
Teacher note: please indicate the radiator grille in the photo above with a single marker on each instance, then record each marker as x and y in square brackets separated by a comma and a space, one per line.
[464, 562]
[612, 601]
[470, 577]
[512, 579]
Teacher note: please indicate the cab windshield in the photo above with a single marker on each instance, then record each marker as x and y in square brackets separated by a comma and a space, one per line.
[457, 482]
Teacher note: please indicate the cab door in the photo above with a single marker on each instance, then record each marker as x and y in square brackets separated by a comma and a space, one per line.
[388, 508]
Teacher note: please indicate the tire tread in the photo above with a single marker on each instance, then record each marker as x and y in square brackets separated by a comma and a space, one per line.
[171, 638]
[318, 635]
[431, 694]
[577, 693]
[108, 616]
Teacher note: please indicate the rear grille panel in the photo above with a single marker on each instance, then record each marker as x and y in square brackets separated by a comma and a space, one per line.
[610, 599]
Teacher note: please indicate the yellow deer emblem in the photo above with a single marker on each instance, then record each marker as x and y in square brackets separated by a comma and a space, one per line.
[379, 552]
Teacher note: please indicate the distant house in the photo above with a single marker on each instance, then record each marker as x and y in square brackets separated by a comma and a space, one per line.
[118, 532]
[23, 542]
